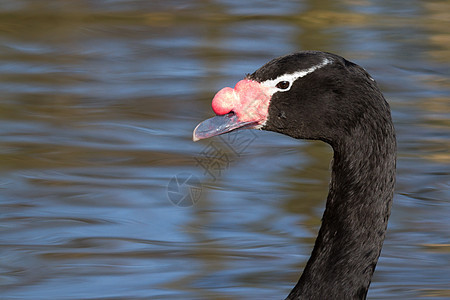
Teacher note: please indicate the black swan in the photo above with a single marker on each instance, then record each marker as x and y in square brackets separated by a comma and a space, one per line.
[322, 96]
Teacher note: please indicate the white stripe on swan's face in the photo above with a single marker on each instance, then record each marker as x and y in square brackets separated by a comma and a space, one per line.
[291, 78]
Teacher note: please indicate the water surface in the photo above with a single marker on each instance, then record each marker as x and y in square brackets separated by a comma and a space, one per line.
[99, 100]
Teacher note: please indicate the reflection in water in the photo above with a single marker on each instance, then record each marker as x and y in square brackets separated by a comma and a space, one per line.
[98, 105]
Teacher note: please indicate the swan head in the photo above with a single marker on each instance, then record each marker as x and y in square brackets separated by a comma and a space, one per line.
[308, 95]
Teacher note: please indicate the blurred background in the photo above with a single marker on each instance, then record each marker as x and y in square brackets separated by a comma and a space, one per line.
[103, 194]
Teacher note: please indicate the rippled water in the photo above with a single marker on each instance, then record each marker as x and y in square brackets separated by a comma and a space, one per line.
[98, 103]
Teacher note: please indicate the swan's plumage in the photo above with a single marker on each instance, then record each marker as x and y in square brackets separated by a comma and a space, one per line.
[321, 96]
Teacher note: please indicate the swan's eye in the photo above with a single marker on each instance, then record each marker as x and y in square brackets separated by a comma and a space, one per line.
[282, 85]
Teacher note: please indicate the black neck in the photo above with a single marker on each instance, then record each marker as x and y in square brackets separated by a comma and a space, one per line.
[355, 219]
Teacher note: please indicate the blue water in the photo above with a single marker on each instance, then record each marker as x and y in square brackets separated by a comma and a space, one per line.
[99, 100]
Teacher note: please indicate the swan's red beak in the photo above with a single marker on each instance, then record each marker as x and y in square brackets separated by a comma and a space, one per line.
[245, 106]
